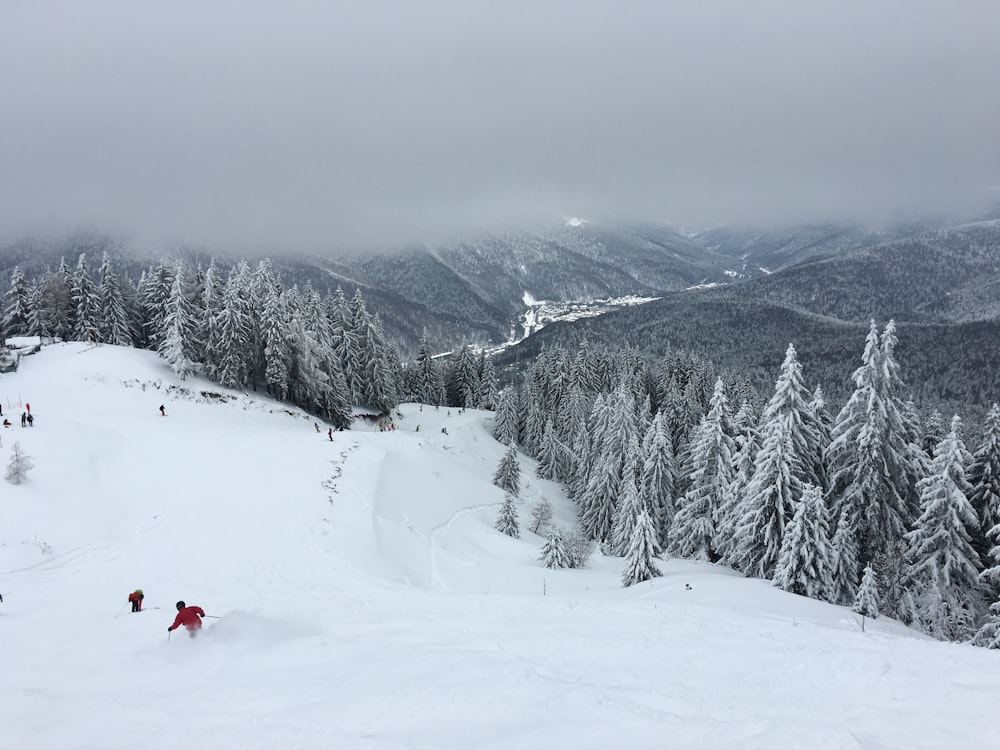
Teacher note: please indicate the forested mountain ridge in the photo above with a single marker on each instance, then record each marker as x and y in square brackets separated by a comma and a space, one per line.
[948, 275]
[469, 291]
[950, 366]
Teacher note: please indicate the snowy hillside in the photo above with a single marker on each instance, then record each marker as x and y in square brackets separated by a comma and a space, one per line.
[365, 601]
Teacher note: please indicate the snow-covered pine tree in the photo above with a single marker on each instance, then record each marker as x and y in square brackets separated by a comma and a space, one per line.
[943, 562]
[554, 553]
[639, 558]
[988, 634]
[508, 473]
[84, 296]
[541, 516]
[176, 339]
[630, 504]
[235, 330]
[274, 335]
[806, 558]
[505, 428]
[984, 477]
[785, 464]
[428, 381]
[711, 452]
[114, 324]
[747, 443]
[550, 454]
[19, 465]
[657, 479]
[151, 303]
[866, 602]
[382, 372]
[506, 522]
[869, 465]
[461, 377]
[933, 432]
[208, 326]
[614, 432]
[17, 313]
[486, 383]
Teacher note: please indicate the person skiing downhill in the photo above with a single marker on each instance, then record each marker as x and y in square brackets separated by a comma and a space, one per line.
[189, 617]
[136, 599]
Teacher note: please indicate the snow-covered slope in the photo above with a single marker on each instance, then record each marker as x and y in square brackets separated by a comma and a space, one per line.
[364, 600]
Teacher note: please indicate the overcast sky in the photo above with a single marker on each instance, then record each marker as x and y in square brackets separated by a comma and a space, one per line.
[326, 124]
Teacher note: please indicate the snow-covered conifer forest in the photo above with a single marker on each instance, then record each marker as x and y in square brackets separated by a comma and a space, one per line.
[660, 457]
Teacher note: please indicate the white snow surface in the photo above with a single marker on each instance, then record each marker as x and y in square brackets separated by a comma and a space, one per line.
[364, 599]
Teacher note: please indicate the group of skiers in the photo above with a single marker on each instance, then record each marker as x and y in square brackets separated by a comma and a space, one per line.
[189, 617]
[26, 419]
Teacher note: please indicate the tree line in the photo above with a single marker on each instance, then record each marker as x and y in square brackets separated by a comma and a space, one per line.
[869, 508]
[246, 330]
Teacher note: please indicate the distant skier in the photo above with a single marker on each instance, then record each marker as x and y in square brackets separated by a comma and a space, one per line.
[31, 420]
[24, 419]
[6, 423]
[189, 617]
[316, 425]
[136, 598]
[28, 407]
[444, 430]
[163, 411]
[330, 433]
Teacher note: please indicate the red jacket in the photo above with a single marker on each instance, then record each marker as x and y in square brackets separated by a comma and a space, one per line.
[135, 596]
[189, 617]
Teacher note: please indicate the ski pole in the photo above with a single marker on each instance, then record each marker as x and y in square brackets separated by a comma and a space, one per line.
[214, 617]
[120, 611]
[168, 637]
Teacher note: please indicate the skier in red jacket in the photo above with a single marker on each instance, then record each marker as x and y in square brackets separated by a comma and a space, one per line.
[189, 617]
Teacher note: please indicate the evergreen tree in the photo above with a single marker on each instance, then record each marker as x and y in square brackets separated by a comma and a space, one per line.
[274, 334]
[429, 384]
[17, 314]
[486, 383]
[693, 533]
[554, 553]
[940, 546]
[614, 433]
[209, 334]
[462, 377]
[866, 603]
[84, 297]
[870, 463]
[731, 512]
[806, 558]
[642, 550]
[508, 474]
[657, 482]
[151, 303]
[785, 464]
[505, 423]
[630, 504]
[933, 432]
[989, 633]
[507, 518]
[234, 343]
[984, 477]
[550, 454]
[114, 324]
[176, 340]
